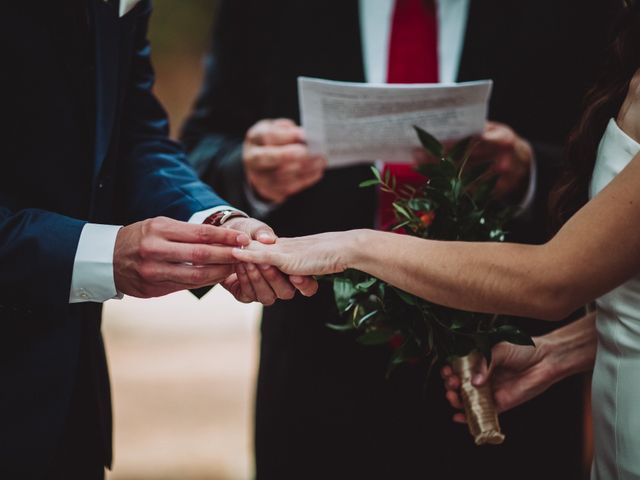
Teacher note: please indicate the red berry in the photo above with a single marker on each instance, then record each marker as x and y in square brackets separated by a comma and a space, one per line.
[427, 218]
[396, 341]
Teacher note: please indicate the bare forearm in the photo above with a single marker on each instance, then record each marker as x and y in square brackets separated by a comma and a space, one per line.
[547, 281]
[485, 277]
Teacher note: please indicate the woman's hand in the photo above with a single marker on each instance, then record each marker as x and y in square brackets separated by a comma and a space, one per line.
[320, 254]
[517, 374]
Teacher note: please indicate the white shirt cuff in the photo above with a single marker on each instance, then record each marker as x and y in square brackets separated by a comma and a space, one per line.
[527, 201]
[260, 207]
[92, 277]
[201, 216]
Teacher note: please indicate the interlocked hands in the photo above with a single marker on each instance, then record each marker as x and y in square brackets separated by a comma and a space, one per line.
[159, 256]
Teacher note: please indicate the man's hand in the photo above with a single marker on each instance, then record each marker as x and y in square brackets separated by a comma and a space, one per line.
[263, 283]
[277, 161]
[159, 256]
[511, 157]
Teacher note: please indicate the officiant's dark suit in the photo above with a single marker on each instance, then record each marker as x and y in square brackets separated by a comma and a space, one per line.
[324, 409]
[84, 140]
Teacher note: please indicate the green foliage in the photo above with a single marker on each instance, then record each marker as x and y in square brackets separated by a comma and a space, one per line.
[454, 203]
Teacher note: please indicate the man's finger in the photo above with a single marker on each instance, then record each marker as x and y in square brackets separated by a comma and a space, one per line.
[196, 254]
[248, 293]
[278, 282]
[267, 158]
[264, 292]
[272, 133]
[199, 233]
[307, 286]
[185, 275]
[234, 286]
[301, 162]
[255, 229]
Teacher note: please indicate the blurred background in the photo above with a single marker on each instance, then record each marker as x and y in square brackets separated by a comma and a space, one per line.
[182, 370]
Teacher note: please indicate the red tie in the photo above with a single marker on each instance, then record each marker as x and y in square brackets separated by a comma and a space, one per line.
[413, 58]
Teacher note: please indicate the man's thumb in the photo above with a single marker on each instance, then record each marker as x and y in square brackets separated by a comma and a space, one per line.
[265, 235]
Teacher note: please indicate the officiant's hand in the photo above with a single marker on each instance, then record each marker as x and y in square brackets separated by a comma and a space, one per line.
[510, 156]
[517, 374]
[277, 162]
[506, 153]
[264, 283]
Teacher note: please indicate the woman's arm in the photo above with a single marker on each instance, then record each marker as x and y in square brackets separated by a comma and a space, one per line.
[518, 374]
[598, 249]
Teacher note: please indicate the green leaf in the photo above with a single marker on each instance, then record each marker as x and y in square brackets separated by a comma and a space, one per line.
[367, 317]
[402, 211]
[429, 142]
[407, 190]
[400, 225]
[483, 193]
[366, 285]
[456, 188]
[369, 183]
[511, 334]
[420, 204]
[456, 153]
[378, 336]
[406, 297]
[341, 328]
[432, 170]
[343, 290]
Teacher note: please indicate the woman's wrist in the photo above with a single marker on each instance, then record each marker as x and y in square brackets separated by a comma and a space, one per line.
[569, 350]
[358, 246]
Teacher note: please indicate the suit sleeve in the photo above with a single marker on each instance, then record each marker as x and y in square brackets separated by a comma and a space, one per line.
[159, 181]
[37, 250]
[229, 103]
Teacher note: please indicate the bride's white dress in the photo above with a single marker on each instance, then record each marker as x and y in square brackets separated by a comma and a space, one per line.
[616, 378]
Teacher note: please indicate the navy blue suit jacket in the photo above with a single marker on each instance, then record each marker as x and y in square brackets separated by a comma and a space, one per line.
[86, 141]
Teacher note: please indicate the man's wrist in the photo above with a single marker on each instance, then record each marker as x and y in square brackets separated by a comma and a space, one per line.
[202, 215]
[219, 218]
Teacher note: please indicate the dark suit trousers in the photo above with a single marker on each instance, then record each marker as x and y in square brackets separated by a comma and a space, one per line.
[80, 454]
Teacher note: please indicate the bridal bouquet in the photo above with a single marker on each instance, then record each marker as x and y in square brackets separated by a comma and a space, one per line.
[454, 203]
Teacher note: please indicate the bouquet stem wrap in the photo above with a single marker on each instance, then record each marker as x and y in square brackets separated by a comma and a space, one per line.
[478, 402]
